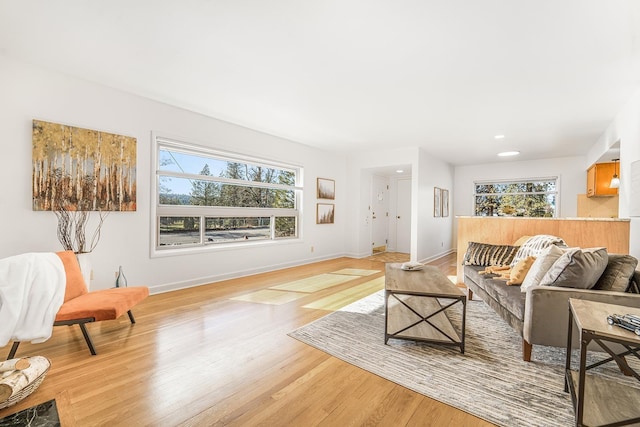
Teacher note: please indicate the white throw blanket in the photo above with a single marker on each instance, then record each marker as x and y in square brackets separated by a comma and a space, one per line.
[32, 287]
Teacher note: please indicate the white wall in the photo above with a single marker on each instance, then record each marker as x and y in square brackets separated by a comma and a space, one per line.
[33, 93]
[435, 237]
[571, 170]
[359, 174]
[626, 129]
[431, 237]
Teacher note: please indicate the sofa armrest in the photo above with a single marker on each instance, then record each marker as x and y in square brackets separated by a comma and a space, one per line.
[547, 311]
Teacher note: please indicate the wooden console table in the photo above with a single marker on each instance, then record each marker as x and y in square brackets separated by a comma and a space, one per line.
[414, 308]
[609, 402]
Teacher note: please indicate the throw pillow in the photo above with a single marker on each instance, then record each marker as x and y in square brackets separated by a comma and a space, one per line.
[577, 268]
[521, 241]
[484, 254]
[519, 272]
[618, 274]
[541, 265]
[535, 245]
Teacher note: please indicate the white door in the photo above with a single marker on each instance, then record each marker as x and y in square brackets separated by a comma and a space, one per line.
[403, 216]
[379, 212]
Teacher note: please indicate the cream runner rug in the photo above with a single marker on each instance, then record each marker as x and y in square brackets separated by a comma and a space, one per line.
[314, 283]
[489, 381]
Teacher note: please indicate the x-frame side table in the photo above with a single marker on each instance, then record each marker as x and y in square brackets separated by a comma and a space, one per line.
[613, 403]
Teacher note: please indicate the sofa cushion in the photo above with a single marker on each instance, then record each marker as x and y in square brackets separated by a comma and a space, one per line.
[618, 274]
[519, 272]
[508, 297]
[485, 254]
[541, 265]
[577, 268]
[535, 245]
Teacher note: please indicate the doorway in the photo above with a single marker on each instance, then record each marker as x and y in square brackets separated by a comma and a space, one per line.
[403, 215]
[379, 214]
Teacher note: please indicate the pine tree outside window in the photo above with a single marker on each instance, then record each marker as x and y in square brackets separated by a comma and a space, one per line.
[525, 198]
[209, 198]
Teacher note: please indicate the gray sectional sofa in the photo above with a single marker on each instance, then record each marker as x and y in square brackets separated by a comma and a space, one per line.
[540, 314]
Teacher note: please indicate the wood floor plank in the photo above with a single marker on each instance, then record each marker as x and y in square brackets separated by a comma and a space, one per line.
[196, 357]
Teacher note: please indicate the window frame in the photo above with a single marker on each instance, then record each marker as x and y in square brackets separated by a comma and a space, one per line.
[474, 194]
[162, 141]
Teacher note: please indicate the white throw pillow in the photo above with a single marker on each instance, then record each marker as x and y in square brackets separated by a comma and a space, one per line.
[541, 265]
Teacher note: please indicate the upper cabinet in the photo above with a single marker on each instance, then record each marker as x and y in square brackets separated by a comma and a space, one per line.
[598, 180]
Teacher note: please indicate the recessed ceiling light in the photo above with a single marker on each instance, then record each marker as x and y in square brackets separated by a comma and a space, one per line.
[508, 153]
[499, 137]
[399, 171]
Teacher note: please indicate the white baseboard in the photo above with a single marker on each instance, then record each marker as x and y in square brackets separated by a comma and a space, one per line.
[168, 287]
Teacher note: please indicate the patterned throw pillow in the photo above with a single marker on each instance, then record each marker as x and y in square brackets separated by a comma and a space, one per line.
[484, 254]
[535, 245]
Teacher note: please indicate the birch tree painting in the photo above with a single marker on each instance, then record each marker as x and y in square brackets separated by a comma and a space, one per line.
[90, 170]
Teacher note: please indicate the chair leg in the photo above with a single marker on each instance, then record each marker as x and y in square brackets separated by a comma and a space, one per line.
[526, 350]
[13, 350]
[87, 338]
[131, 316]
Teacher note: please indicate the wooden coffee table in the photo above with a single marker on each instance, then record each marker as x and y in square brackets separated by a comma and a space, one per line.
[416, 304]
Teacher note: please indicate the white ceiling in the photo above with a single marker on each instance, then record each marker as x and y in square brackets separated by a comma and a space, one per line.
[351, 75]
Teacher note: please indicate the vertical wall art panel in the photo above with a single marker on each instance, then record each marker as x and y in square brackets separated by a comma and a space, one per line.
[82, 169]
[444, 211]
[325, 213]
[326, 189]
[436, 202]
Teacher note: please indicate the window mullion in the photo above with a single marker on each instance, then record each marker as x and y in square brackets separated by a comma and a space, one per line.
[177, 185]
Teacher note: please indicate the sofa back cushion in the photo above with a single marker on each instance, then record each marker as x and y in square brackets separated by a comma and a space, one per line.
[535, 246]
[540, 266]
[75, 281]
[618, 274]
[484, 254]
[577, 268]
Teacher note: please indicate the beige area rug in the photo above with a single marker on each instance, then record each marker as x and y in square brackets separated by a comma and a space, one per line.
[291, 291]
[314, 283]
[340, 299]
[356, 272]
[270, 296]
[490, 380]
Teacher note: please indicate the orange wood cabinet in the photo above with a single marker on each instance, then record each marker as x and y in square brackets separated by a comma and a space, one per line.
[598, 179]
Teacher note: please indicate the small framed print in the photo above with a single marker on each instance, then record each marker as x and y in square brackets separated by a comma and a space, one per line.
[325, 213]
[326, 189]
[437, 204]
[444, 211]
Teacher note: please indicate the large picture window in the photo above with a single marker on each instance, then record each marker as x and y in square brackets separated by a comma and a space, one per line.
[528, 198]
[206, 197]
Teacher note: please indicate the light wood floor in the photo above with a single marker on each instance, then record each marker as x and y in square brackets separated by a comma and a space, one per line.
[197, 358]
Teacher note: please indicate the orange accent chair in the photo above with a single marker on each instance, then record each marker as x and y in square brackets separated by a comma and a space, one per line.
[81, 306]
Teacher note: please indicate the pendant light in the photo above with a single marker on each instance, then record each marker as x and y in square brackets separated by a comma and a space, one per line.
[615, 181]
